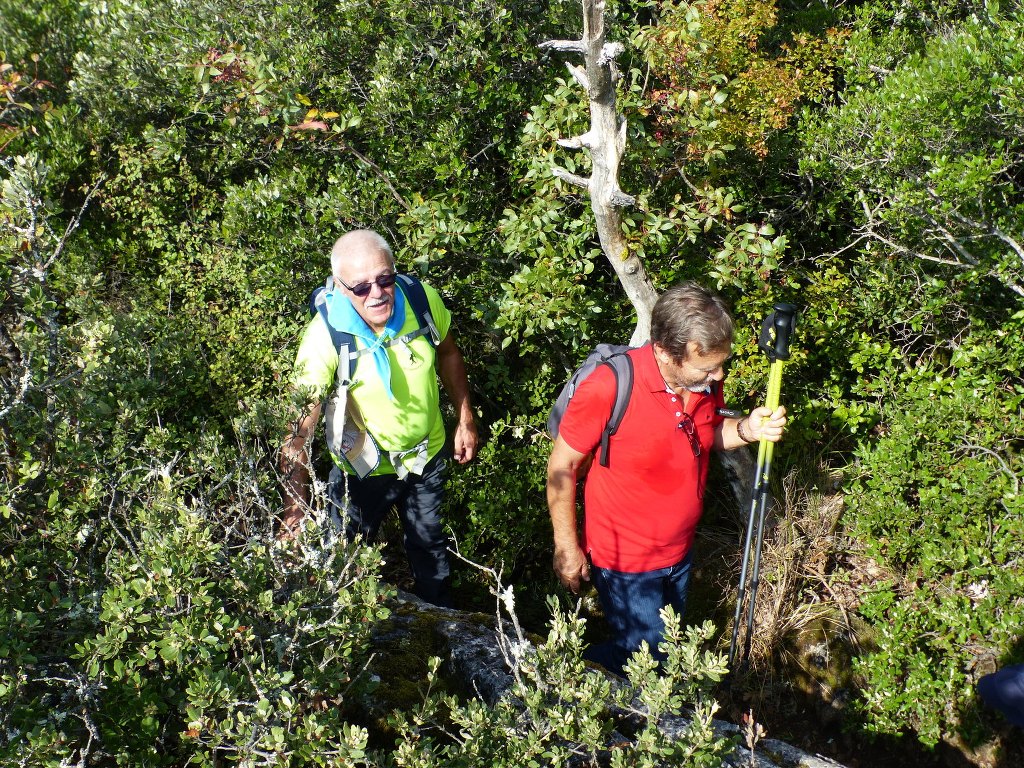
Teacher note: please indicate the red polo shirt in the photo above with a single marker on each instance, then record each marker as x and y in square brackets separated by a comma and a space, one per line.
[642, 509]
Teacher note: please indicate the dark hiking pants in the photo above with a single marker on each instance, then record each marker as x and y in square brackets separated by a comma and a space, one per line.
[418, 499]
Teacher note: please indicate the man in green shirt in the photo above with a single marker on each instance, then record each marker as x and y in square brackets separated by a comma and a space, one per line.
[393, 395]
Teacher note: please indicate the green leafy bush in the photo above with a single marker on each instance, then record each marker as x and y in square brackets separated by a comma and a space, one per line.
[936, 501]
[556, 713]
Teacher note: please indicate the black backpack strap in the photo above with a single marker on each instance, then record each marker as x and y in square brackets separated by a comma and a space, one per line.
[622, 367]
[417, 296]
[344, 342]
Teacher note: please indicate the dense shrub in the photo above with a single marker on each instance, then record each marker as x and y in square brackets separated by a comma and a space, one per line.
[936, 501]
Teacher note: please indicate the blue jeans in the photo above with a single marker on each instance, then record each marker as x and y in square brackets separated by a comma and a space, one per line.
[631, 603]
[1004, 691]
[418, 498]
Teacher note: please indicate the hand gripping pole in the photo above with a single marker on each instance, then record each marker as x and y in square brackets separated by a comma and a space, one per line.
[774, 341]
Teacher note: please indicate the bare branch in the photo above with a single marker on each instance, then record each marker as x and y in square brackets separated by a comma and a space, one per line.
[910, 252]
[606, 143]
[579, 75]
[571, 178]
[380, 175]
[514, 651]
[621, 199]
[952, 243]
[482, 152]
[860, 239]
[1002, 463]
[1017, 248]
[578, 142]
[563, 46]
[22, 387]
[609, 52]
[73, 224]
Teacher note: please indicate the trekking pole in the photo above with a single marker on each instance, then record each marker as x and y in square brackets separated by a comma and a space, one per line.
[781, 321]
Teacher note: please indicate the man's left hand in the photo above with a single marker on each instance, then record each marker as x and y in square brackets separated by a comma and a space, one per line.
[465, 442]
[763, 424]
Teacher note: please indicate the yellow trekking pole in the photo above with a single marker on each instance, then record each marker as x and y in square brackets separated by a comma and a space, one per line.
[774, 341]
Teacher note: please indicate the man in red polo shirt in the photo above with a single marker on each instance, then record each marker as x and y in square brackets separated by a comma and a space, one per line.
[641, 510]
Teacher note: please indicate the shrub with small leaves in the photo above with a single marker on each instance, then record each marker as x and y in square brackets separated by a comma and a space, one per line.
[558, 710]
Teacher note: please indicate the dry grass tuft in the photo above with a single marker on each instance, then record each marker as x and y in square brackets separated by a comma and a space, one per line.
[805, 628]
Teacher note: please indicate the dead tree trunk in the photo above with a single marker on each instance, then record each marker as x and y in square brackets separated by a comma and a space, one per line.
[606, 143]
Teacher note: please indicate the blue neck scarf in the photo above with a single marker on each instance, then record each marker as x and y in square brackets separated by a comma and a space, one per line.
[343, 316]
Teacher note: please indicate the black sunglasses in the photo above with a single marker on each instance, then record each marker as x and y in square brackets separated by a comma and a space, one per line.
[691, 434]
[362, 289]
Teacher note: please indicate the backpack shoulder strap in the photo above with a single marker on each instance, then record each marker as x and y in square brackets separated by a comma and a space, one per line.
[622, 367]
[417, 296]
[344, 342]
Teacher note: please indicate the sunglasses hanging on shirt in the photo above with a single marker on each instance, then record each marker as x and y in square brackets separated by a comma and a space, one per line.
[690, 430]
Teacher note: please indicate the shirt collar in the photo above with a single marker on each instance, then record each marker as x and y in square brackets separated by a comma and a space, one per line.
[647, 371]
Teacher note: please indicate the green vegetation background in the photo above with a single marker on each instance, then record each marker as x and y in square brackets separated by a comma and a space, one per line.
[173, 174]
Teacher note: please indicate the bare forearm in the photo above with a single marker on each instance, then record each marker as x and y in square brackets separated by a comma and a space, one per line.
[761, 424]
[295, 473]
[733, 434]
[452, 370]
[562, 509]
[570, 561]
[563, 470]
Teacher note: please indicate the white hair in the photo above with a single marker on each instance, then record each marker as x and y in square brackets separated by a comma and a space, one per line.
[358, 239]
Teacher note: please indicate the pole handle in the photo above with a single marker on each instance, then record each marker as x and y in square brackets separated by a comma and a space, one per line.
[782, 321]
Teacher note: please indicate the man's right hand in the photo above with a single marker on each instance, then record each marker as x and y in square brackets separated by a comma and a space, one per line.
[290, 525]
[571, 567]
